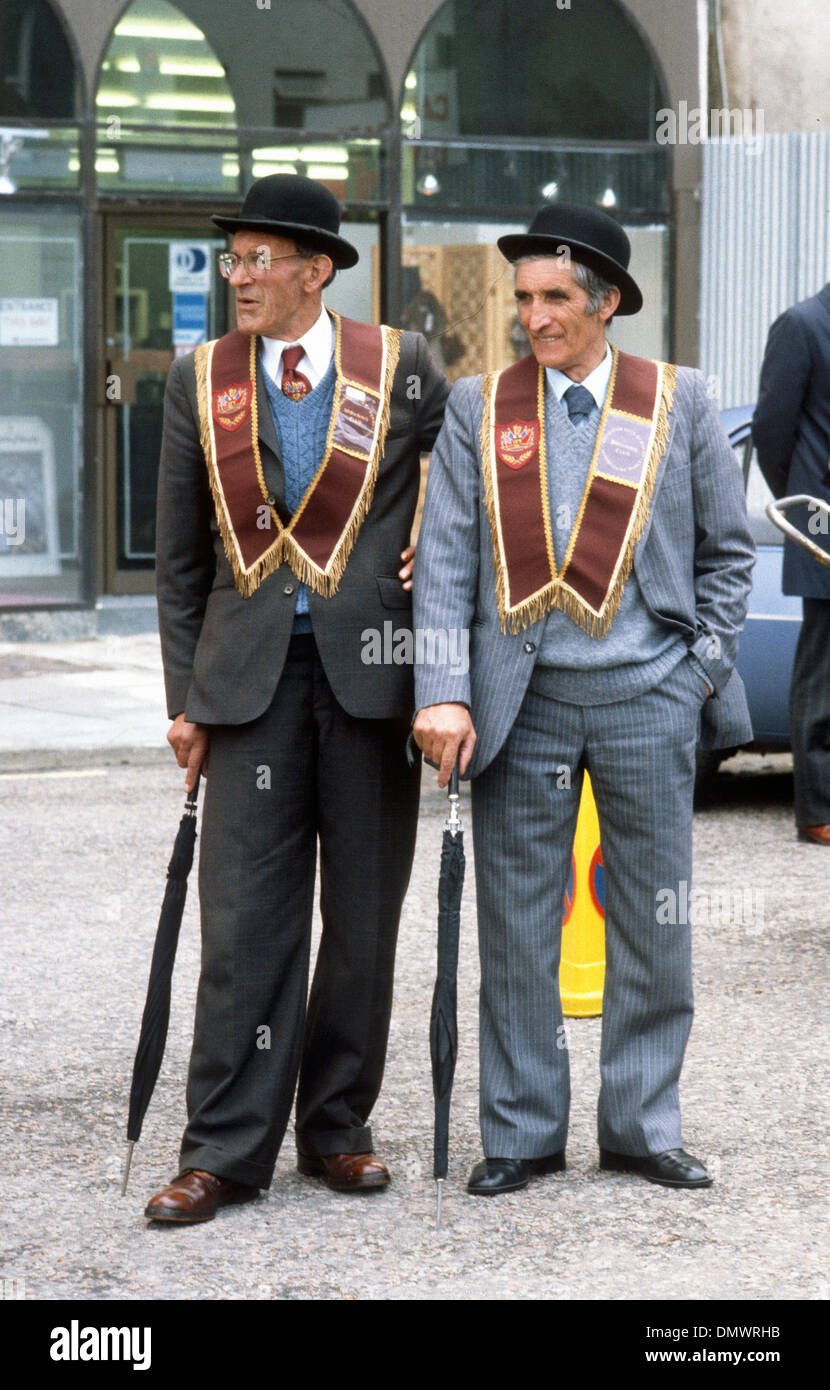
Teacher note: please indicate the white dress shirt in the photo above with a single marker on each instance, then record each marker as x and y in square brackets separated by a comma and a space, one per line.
[596, 381]
[318, 350]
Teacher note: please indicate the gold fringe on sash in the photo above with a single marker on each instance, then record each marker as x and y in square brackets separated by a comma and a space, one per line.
[558, 593]
[285, 549]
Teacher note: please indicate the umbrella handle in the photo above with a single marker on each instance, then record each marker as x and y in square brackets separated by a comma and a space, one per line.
[453, 822]
[775, 512]
[190, 802]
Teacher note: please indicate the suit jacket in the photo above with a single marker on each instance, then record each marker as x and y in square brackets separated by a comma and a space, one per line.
[223, 654]
[791, 426]
[693, 564]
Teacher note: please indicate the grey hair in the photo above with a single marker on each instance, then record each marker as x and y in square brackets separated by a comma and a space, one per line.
[595, 286]
[308, 253]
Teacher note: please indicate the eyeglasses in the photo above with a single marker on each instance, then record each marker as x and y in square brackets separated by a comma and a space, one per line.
[256, 263]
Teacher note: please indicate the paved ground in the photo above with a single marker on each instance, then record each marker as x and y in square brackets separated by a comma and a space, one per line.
[87, 818]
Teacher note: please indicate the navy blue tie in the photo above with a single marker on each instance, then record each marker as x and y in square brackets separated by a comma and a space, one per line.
[580, 403]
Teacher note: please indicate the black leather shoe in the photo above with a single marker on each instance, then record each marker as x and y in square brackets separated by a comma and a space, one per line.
[494, 1175]
[674, 1168]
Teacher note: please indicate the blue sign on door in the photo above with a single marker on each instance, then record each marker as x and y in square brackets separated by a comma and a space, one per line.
[189, 320]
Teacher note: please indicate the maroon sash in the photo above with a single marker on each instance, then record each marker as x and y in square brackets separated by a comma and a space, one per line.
[320, 536]
[632, 438]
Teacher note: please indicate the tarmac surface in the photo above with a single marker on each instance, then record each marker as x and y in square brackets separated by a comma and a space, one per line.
[90, 800]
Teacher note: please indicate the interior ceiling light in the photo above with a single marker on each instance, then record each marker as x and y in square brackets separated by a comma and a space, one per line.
[428, 185]
[137, 28]
[325, 154]
[608, 199]
[327, 171]
[262, 170]
[189, 67]
[110, 98]
[286, 153]
[411, 81]
[126, 65]
[172, 101]
[550, 190]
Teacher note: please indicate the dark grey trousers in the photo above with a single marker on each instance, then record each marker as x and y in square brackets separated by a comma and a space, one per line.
[810, 715]
[304, 770]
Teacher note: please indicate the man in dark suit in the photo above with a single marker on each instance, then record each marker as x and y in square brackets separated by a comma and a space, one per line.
[791, 429]
[288, 484]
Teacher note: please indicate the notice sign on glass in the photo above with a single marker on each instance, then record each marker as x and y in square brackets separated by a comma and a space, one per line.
[190, 267]
[28, 322]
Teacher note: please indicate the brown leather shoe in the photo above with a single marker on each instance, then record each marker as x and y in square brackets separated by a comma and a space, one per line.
[816, 834]
[345, 1172]
[195, 1196]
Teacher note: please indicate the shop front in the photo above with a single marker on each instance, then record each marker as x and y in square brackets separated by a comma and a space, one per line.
[108, 176]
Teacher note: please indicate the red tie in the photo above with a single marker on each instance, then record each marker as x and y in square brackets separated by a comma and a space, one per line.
[294, 384]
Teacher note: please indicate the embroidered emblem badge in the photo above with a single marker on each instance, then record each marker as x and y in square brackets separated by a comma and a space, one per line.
[517, 442]
[231, 405]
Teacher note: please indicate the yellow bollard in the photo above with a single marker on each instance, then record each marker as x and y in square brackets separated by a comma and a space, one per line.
[582, 967]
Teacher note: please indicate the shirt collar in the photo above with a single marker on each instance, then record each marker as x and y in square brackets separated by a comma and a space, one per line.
[596, 381]
[317, 345]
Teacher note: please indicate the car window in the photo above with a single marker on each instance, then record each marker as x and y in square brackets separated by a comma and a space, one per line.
[764, 532]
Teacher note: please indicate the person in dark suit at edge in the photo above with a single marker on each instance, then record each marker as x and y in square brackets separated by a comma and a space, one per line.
[288, 484]
[791, 430]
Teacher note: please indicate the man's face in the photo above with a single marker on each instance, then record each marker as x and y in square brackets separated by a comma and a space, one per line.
[552, 313]
[277, 301]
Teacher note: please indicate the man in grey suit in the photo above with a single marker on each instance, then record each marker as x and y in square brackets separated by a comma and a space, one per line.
[289, 478]
[791, 429]
[585, 521]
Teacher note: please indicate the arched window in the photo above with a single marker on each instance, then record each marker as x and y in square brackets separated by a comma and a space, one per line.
[533, 70]
[161, 70]
[201, 98]
[37, 72]
[40, 99]
[505, 107]
[41, 279]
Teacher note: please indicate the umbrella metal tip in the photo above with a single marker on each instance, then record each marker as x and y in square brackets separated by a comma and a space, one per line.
[127, 1164]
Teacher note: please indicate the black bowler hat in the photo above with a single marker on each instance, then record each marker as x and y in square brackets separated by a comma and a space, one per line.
[593, 238]
[293, 206]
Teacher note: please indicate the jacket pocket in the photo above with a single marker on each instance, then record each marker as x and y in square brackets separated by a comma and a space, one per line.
[392, 592]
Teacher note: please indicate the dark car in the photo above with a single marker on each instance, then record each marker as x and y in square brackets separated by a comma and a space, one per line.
[768, 641]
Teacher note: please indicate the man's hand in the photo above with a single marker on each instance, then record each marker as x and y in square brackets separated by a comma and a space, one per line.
[190, 744]
[444, 733]
[405, 574]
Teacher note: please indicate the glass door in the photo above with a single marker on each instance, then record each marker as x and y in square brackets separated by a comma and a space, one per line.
[163, 297]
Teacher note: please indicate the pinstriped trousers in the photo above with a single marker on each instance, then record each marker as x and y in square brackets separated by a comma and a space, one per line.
[640, 753]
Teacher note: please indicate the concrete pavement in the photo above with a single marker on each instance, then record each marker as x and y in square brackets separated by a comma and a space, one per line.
[101, 693]
[89, 803]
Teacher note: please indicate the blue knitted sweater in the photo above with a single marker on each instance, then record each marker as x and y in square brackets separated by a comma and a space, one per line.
[302, 427]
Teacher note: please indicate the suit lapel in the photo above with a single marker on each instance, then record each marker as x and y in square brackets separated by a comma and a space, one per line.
[269, 446]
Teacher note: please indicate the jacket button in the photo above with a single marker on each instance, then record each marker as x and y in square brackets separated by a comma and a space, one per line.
[271, 499]
[530, 646]
[289, 589]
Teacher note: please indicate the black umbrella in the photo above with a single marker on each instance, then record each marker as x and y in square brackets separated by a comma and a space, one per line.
[775, 512]
[443, 1025]
[156, 1015]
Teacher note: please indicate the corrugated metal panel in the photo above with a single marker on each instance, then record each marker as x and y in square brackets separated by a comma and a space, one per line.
[812, 253]
[765, 239]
